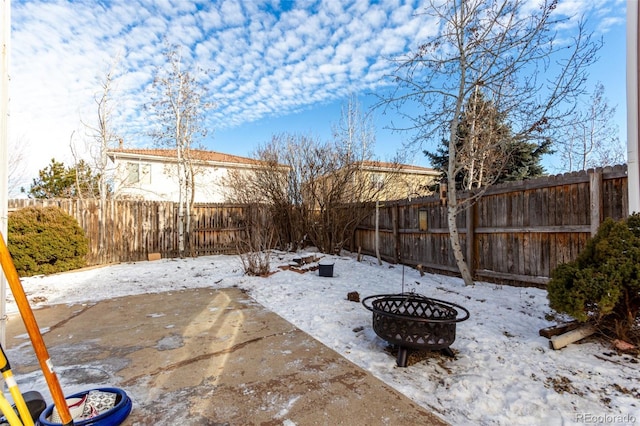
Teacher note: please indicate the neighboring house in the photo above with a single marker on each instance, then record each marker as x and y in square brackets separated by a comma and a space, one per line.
[399, 181]
[373, 181]
[150, 174]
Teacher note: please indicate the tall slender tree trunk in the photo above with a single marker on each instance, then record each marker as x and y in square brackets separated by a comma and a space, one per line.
[181, 200]
[454, 238]
[452, 196]
[452, 207]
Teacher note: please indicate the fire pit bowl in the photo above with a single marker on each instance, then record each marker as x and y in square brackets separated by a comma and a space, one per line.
[413, 321]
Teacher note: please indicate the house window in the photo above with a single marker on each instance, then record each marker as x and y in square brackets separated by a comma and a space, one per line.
[138, 173]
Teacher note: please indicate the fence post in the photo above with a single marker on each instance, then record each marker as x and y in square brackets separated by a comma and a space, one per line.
[395, 214]
[595, 199]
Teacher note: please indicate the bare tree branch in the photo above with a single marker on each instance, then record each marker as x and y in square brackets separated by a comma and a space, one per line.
[17, 171]
[507, 52]
[318, 192]
[179, 107]
[591, 137]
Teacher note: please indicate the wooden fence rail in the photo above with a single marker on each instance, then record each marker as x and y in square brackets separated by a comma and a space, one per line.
[516, 233]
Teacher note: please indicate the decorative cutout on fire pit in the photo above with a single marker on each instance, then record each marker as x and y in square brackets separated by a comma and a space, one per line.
[413, 321]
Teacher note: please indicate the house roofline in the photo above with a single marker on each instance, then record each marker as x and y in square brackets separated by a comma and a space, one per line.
[211, 158]
[214, 158]
[381, 166]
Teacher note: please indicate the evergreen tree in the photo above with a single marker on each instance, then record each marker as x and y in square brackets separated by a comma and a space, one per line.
[488, 149]
[603, 283]
[523, 160]
[58, 181]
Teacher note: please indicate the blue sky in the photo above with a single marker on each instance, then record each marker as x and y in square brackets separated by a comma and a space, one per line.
[275, 66]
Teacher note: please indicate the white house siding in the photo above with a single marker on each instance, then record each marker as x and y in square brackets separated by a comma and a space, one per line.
[157, 179]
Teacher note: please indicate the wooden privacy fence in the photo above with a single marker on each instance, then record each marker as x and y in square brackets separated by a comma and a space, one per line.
[516, 233]
[127, 231]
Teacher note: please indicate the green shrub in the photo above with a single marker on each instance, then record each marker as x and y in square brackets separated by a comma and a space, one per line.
[603, 283]
[45, 240]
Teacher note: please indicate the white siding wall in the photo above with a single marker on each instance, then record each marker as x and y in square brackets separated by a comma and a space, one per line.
[161, 184]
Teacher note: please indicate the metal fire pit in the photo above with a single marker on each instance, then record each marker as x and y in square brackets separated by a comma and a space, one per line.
[413, 321]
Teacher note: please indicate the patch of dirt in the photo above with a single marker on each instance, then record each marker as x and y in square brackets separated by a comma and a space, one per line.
[415, 357]
[298, 269]
[561, 385]
[634, 392]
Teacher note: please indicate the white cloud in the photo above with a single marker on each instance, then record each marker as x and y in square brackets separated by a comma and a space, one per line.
[210, 19]
[231, 13]
[263, 61]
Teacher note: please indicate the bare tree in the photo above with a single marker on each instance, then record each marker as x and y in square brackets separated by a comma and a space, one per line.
[317, 191]
[99, 138]
[256, 242]
[102, 137]
[592, 136]
[179, 106]
[103, 133]
[17, 171]
[276, 181]
[511, 54]
[354, 133]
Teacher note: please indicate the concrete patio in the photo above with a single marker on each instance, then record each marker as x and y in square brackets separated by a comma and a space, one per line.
[208, 357]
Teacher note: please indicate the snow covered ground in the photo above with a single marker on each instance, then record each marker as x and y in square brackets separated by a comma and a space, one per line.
[503, 371]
